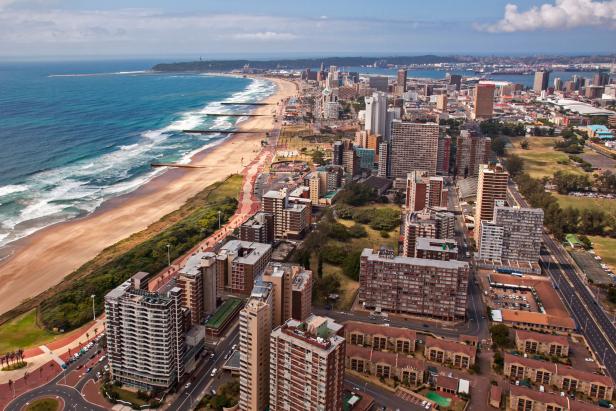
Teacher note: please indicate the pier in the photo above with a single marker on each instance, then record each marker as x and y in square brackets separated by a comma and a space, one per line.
[224, 131]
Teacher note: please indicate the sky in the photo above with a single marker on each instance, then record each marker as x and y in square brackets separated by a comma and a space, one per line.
[271, 28]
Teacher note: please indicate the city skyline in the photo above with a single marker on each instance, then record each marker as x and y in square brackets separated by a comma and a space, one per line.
[64, 29]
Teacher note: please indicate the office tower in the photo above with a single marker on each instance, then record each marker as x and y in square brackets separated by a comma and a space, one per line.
[392, 114]
[491, 186]
[399, 284]
[401, 81]
[255, 329]
[240, 263]
[424, 191]
[379, 83]
[542, 79]
[384, 161]
[291, 219]
[337, 150]
[301, 303]
[472, 150]
[558, 84]
[197, 279]
[259, 228]
[145, 335]
[601, 78]
[307, 365]
[513, 234]
[441, 102]
[427, 223]
[366, 158]
[443, 156]
[414, 146]
[484, 101]
[455, 79]
[376, 113]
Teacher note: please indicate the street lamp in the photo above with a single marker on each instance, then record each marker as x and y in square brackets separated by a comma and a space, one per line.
[219, 212]
[93, 309]
[168, 255]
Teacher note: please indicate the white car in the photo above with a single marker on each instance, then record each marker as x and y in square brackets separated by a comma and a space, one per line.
[213, 373]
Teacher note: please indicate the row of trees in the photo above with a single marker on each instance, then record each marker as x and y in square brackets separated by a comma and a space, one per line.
[12, 358]
[495, 128]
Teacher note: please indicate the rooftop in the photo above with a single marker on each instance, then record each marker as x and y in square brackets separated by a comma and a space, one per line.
[372, 329]
[435, 244]
[224, 311]
[451, 346]
[378, 256]
[545, 338]
[246, 252]
[316, 331]
[547, 398]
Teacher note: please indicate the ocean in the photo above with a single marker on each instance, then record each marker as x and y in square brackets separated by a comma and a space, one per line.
[73, 135]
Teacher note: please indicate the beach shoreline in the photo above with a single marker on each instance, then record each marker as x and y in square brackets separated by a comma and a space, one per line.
[42, 259]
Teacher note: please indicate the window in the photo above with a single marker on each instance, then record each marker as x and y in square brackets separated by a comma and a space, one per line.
[551, 407]
[379, 343]
[524, 404]
[556, 349]
[530, 347]
[517, 372]
[543, 377]
[569, 384]
[382, 371]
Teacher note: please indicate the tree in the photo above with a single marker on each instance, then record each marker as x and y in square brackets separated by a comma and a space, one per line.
[524, 144]
[318, 157]
[350, 266]
[498, 146]
[500, 335]
[514, 165]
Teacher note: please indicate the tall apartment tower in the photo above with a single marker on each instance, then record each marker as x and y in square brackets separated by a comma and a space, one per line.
[307, 365]
[376, 113]
[455, 80]
[542, 80]
[426, 287]
[401, 81]
[281, 277]
[338, 149]
[472, 150]
[301, 303]
[384, 169]
[426, 223]
[255, 329]
[197, 279]
[291, 220]
[137, 318]
[414, 146]
[484, 101]
[491, 186]
[424, 191]
[443, 156]
[513, 234]
[259, 228]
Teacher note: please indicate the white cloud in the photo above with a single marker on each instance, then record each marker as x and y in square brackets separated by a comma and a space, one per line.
[563, 14]
[265, 36]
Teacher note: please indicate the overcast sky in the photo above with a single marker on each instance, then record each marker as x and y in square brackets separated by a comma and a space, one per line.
[156, 28]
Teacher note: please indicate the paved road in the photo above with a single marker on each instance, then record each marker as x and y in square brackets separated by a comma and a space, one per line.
[72, 396]
[382, 396]
[591, 320]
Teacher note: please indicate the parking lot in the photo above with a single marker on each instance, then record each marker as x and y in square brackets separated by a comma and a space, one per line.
[512, 299]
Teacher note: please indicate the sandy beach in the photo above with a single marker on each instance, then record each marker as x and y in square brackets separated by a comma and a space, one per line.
[45, 258]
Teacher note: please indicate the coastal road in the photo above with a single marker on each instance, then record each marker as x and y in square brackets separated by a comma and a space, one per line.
[590, 318]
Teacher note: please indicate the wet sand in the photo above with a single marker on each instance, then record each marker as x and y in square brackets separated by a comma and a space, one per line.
[43, 259]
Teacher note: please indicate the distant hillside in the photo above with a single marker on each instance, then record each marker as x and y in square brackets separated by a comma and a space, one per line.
[298, 64]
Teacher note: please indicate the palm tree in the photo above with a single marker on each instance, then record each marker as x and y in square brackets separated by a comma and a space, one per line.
[20, 354]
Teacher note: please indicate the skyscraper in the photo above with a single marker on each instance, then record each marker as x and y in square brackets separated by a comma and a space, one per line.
[291, 220]
[145, 334]
[455, 79]
[484, 101]
[472, 150]
[401, 80]
[379, 83]
[491, 186]
[443, 155]
[424, 191]
[414, 146]
[197, 279]
[307, 365]
[542, 80]
[601, 78]
[376, 113]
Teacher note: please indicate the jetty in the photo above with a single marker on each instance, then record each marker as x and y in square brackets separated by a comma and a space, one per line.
[242, 103]
[237, 115]
[214, 131]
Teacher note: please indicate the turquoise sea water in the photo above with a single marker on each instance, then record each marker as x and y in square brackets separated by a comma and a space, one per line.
[75, 134]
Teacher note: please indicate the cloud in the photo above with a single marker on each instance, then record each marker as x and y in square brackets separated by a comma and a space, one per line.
[563, 14]
[265, 36]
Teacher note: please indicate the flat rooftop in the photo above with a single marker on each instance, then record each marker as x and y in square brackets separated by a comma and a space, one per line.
[224, 312]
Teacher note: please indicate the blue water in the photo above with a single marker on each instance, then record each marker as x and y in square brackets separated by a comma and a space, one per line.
[71, 138]
[524, 79]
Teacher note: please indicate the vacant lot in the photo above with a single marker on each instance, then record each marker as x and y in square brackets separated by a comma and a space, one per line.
[541, 159]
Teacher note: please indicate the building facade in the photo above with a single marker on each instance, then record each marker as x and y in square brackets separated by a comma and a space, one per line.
[491, 187]
[414, 146]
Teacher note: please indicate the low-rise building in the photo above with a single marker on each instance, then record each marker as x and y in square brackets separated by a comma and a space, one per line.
[563, 377]
[379, 337]
[522, 398]
[455, 353]
[537, 343]
[408, 370]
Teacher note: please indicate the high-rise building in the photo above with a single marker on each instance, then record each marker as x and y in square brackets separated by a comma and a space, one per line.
[351, 162]
[259, 228]
[441, 102]
[491, 187]
[417, 286]
[424, 191]
[255, 329]
[280, 275]
[197, 279]
[240, 263]
[443, 156]
[601, 78]
[472, 150]
[513, 234]
[401, 81]
[376, 113]
[436, 249]
[427, 223]
[379, 83]
[338, 149]
[145, 334]
[484, 101]
[373, 142]
[384, 169]
[414, 146]
[301, 303]
[291, 219]
[393, 113]
[542, 80]
[558, 84]
[455, 79]
[307, 365]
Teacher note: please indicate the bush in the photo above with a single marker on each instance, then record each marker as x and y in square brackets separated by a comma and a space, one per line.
[333, 254]
[384, 234]
[358, 231]
[500, 335]
[350, 266]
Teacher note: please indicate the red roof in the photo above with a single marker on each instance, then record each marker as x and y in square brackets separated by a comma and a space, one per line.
[374, 329]
[544, 338]
[451, 346]
[392, 359]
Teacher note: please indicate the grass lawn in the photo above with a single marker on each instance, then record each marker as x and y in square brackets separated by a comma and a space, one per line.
[44, 404]
[582, 203]
[23, 332]
[348, 287]
[541, 159]
[604, 247]
[127, 395]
